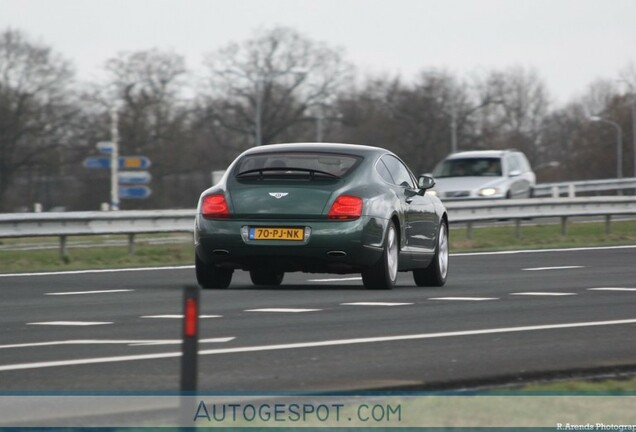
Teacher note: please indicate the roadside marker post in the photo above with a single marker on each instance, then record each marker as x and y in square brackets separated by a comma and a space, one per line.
[190, 339]
[189, 355]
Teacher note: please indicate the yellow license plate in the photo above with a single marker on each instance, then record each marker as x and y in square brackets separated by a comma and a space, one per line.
[293, 234]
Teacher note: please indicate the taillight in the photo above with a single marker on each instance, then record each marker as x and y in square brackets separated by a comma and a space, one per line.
[346, 207]
[215, 206]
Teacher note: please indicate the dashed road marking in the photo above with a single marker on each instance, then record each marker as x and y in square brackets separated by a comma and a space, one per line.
[132, 342]
[554, 294]
[282, 310]
[177, 316]
[611, 289]
[88, 292]
[359, 278]
[71, 323]
[552, 268]
[375, 304]
[464, 298]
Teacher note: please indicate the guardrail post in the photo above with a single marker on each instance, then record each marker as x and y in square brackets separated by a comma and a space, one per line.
[564, 225]
[63, 250]
[469, 230]
[608, 224]
[571, 190]
[131, 244]
[555, 192]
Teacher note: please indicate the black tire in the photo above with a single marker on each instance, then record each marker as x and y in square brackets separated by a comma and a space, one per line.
[436, 273]
[212, 277]
[383, 274]
[266, 277]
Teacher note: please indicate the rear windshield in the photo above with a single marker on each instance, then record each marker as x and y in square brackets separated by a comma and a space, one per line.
[296, 164]
[469, 167]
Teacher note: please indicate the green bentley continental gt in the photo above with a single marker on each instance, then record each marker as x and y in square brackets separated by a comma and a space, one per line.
[320, 208]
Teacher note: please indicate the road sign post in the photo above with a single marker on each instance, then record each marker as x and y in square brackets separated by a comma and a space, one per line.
[114, 157]
[123, 184]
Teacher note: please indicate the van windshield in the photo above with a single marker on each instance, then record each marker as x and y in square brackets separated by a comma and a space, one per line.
[468, 167]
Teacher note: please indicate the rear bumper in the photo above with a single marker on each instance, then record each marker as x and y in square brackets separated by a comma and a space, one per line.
[331, 247]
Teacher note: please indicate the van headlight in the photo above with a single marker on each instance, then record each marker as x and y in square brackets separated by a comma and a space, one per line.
[490, 191]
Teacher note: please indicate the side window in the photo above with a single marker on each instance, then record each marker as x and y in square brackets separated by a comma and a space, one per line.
[523, 162]
[513, 164]
[381, 168]
[401, 175]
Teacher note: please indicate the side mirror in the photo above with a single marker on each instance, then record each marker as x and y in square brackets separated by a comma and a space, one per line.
[425, 182]
[515, 173]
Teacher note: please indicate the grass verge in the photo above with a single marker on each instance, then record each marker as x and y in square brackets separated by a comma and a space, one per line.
[587, 385]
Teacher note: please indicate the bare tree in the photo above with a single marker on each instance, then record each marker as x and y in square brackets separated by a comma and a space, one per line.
[36, 105]
[263, 86]
[517, 118]
[149, 90]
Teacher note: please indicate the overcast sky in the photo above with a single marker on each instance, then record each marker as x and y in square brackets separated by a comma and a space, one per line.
[569, 42]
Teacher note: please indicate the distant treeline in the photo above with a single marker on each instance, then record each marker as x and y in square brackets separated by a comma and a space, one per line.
[277, 86]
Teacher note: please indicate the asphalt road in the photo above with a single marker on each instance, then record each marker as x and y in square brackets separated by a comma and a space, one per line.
[501, 317]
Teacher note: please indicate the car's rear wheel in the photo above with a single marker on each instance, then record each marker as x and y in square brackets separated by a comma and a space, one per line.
[266, 277]
[383, 274]
[437, 271]
[211, 277]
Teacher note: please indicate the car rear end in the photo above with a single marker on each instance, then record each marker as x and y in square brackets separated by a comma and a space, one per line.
[291, 209]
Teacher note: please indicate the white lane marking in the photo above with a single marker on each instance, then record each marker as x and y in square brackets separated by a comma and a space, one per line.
[179, 341]
[552, 268]
[514, 252]
[112, 342]
[71, 323]
[176, 316]
[336, 279]
[88, 292]
[611, 289]
[537, 293]
[336, 342]
[77, 272]
[375, 304]
[464, 298]
[511, 252]
[282, 310]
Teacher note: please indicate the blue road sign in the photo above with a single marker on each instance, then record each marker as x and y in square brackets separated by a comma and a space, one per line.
[134, 192]
[125, 162]
[105, 147]
[97, 162]
[134, 177]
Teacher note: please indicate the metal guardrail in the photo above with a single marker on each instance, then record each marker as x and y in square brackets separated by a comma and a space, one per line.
[66, 224]
[518, 210]
[571, 189]
[131, 223]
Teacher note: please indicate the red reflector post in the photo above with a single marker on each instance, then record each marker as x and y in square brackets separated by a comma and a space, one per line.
[191, 318]
[190, 338]
[215, 206]
[346, 207]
